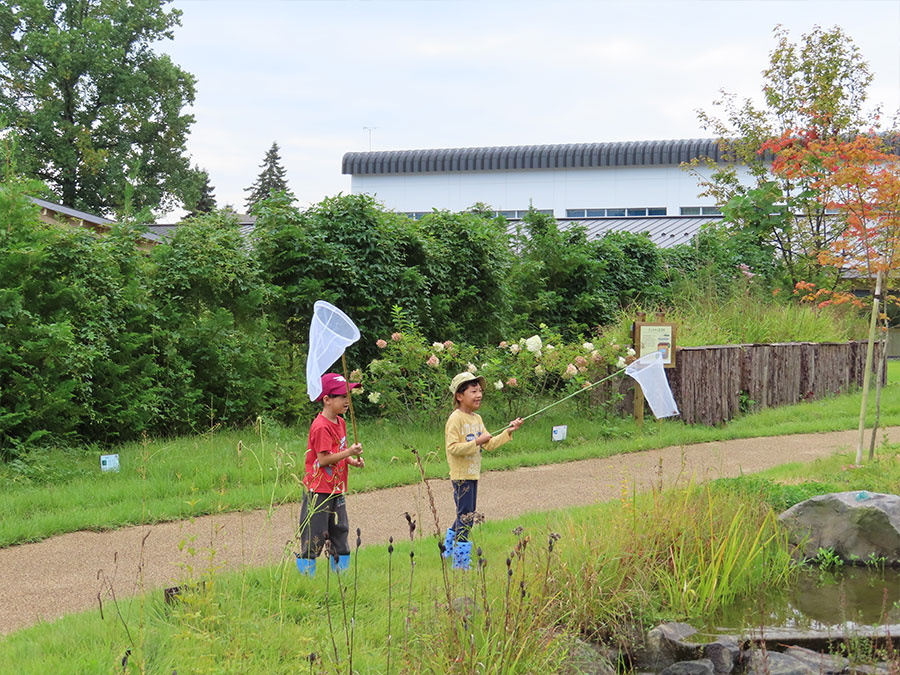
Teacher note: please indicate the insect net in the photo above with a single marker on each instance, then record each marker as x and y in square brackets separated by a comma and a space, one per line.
[330, 333]
[648, 372]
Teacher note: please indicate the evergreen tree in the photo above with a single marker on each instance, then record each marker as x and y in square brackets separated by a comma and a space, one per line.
[204, 199]
[270, 180]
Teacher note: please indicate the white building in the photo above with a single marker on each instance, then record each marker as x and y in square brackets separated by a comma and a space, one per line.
[637, 186]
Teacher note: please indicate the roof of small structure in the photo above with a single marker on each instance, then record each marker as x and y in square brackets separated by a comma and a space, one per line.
[505, 158]
[73, 213]
[664, 231]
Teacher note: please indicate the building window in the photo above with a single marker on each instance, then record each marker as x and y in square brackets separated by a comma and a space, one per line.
[657, 211]
[701, 210]
[596, 213]
[634, 213]
[575, 213]
[615, 213]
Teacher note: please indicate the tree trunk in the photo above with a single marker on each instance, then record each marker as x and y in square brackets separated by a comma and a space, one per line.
[882, 357]
[867, 375]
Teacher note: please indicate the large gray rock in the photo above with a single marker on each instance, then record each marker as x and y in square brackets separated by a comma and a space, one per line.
[854, 524]
[826, 664]
[666, 644]
[698, 667]
[775, 663]
[724, 653]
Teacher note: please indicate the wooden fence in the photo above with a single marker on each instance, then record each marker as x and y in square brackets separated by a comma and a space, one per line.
[713, 384]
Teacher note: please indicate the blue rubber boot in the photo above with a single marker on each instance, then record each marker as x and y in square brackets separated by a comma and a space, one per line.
[341, 563]
[306, 566]
[462, 554]
[449, 541]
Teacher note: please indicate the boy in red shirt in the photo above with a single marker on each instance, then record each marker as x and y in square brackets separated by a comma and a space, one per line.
[324, 510]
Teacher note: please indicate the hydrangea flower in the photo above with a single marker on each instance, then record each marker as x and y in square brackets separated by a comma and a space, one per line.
[356, 375]
[631, 352]
[580, 361]
[498, 384]
[512, 382]
[550, 348]
[448, 344]
[433, 361]
[471, 368]
[539, 369]
[534, 344]
[595, 356]
[396, 337]
[502, 345]
[621, 362]
[374, 397]
[438, 346]
[571, 370]
[588, 346]
[514, 348]
[381, 344]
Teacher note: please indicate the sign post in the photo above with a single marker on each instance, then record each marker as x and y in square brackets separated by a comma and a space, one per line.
[650, 337]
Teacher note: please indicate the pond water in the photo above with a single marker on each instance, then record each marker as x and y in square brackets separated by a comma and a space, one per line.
[851, 597]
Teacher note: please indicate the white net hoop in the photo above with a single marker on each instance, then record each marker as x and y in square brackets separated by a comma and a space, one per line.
[330, 333]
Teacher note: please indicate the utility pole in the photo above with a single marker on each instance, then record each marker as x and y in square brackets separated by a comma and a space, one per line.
[370, 130]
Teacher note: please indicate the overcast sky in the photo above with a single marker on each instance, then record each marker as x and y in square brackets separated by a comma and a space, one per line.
[439, 74]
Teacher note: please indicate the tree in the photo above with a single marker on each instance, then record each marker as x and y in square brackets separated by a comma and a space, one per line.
[818, 85]
[203, 198]
[860, 179]
[93, 105]
[270, 180]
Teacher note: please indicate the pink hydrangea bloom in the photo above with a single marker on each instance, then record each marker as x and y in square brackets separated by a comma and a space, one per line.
[433, 361]
[571, 370]
[381, 344]
[396, 337]
[512, 382]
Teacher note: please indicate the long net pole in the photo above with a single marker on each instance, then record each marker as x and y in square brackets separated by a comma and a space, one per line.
[574, 393]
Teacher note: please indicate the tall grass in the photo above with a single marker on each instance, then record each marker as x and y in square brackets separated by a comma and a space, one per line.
[706, 315]
[605, 570]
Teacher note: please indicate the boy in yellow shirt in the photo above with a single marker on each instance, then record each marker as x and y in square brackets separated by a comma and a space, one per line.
[465, 439]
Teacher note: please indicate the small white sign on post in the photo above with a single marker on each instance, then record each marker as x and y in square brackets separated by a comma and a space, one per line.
[109, 463]
[559, 432]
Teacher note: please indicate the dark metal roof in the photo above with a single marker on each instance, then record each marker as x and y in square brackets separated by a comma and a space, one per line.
[663, 231]
[73, 213]
[506, 158]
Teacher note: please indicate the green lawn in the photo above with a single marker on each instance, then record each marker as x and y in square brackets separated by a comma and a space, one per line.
[60, 491]
[609, 571]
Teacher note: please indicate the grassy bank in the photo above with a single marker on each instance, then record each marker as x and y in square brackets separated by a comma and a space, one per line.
[58, 491]
[607, 571]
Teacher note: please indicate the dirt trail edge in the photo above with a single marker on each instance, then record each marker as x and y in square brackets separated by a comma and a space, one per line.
[61, 575]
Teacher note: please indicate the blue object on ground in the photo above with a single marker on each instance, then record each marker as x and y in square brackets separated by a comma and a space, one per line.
[862, 496]
[449, 540]
[306, 566]
[462, 555]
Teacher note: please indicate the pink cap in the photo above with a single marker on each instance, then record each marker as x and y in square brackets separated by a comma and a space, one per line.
[335, 385]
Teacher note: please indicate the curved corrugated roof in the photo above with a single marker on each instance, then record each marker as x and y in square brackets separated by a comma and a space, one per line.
[505, 158]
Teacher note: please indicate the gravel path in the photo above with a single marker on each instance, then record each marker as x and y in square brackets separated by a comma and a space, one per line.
[43, 581]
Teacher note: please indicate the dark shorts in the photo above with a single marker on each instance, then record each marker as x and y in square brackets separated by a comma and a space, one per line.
[323, 516]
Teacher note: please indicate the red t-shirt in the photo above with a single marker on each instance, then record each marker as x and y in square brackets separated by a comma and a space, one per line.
[330, 437]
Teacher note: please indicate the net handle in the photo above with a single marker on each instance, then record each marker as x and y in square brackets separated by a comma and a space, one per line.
[350, 398]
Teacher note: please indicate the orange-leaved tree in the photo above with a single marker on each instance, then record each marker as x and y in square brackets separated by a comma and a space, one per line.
[859, 178]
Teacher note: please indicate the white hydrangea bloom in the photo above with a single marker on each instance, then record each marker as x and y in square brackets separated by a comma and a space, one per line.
[631, 352]
[533, 344]
[498, 384]
[514, 348]
[621, 362]
[539, 369]
[471, 367]
[550, 348]
[374, 397]
[437, 346]
[588, 346]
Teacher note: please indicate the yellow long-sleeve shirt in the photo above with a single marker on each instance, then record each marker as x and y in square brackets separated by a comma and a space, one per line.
[463, 456]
